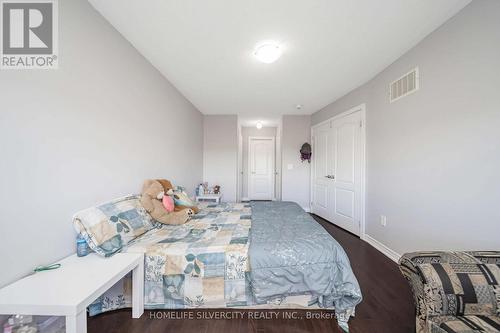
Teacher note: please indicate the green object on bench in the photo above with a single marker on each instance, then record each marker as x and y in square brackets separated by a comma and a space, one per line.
[454, 292]
[46, 268]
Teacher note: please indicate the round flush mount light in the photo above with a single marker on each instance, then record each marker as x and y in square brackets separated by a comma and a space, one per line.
[259, 125]
[268, 52]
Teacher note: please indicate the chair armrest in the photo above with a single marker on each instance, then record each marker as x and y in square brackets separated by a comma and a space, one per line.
[410, 272]
[452, 283]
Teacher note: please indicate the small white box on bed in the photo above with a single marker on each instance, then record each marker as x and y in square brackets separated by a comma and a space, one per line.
[68, 291]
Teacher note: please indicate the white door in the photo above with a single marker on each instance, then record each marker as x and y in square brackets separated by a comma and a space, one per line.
[322, 187]
[336, 173]
[261, 168]
[347, 172]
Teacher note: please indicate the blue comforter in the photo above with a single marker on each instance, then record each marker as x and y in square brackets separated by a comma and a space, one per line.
[291, 254]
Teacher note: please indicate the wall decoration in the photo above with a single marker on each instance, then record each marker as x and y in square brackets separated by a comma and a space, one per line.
[305, 152]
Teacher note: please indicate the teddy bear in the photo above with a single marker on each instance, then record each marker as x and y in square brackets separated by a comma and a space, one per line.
[151, 200]
[181, 199]
[216, 189]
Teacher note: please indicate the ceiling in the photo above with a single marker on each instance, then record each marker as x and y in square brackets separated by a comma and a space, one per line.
[205, 48]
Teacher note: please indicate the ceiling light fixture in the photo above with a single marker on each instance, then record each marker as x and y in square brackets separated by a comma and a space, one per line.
[268, 52]
[259, 125]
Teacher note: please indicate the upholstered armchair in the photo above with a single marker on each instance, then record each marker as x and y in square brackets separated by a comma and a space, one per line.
[454, 292]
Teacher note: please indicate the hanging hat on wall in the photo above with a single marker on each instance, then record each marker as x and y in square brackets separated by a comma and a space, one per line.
[305, 152]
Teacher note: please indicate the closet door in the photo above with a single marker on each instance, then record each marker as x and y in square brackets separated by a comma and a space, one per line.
[322, 181]
[345, 205]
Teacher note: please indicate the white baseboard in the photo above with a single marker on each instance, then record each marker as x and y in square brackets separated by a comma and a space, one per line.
[391, 254]
[245, 199]
[307, 209]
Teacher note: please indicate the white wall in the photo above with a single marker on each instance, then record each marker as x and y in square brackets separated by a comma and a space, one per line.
[295, 182]
[220, 153]
[247, 132]
[433, 158]
[88, 132]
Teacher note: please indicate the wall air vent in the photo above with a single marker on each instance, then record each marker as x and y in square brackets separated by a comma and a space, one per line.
[405, 85]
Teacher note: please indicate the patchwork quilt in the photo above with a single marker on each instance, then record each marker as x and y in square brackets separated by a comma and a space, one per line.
[202, 263]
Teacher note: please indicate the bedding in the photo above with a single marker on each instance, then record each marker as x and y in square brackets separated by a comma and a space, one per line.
[200, 264]
[291, 254]
[237, 255]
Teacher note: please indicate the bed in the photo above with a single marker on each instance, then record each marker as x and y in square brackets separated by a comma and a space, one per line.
[229, 255]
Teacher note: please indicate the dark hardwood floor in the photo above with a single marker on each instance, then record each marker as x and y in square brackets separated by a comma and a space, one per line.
[387, 306]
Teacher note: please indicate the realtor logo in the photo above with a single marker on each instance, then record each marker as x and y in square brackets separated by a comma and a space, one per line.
[29, 34]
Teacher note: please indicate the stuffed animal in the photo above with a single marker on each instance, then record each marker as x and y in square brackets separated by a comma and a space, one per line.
[216, 189]
[168, 188]
[151, 200]
[181, 199]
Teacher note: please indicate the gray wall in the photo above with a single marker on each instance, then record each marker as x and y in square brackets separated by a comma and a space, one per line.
[86, 133]
[433, 158]
[295, 182]
[220, 153]
[245, 133]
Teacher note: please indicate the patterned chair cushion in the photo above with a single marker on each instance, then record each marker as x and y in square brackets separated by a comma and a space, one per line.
[486, 257]
[460, 289]
[465, 324]
[110, 226]
[409, 266]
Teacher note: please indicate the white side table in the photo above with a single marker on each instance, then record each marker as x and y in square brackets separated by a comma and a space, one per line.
[209, 197]
[69, 290]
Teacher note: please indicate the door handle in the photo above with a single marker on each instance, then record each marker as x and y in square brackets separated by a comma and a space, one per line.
[330, 176]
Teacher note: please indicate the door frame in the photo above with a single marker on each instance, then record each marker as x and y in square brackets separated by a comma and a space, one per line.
[239, 171]
[362, 109]
[273, 140]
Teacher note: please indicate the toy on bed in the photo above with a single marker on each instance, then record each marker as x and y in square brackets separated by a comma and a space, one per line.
[181, 199]
[151, 199]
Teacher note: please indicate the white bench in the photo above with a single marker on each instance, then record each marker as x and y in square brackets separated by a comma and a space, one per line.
[69, 290]
[208, 197]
